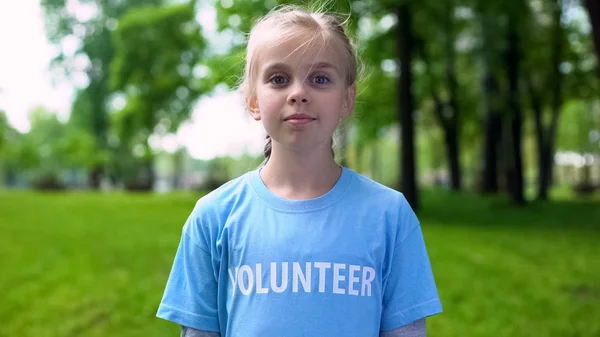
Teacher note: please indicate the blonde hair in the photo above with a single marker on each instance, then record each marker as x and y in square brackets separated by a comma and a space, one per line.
[290, 21]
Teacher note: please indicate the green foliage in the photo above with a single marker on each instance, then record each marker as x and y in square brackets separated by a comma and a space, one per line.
[10, 142]
[217, 173]
[49, 148]
[223, 69]
[94, 34]
[154, 56]
[156, 49]
[5, 131]
[580, 130]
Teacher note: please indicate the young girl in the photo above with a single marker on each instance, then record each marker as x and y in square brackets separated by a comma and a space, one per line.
[301, 246]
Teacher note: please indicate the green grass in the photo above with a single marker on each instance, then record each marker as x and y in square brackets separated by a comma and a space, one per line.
[83, 264]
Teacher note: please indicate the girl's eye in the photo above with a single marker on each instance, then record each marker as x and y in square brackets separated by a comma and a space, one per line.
[321, 80]
[278, 80]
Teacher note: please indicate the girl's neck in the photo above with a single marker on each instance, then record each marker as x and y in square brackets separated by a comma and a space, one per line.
[300, 175]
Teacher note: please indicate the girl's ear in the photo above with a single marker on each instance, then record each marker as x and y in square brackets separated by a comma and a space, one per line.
[349, 101]
[253, 108]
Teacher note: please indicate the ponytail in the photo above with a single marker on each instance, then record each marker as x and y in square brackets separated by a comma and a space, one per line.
[267, 150]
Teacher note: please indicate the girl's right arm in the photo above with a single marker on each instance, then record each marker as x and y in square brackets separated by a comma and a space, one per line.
[189, 332]
[414, 329]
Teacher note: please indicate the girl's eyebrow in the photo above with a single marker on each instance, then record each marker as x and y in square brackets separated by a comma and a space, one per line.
[325, 65]
[276, 66]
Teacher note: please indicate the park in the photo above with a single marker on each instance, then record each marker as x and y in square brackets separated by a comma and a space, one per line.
[484, 114]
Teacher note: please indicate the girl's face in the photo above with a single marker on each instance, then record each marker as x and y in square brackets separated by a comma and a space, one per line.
[301, 94]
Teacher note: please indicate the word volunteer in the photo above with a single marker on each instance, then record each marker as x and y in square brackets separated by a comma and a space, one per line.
[344, 279]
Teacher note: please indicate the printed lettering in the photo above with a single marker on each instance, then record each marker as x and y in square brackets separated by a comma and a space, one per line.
[284, 277]
[259, 287]
[337, 278]
[352, 279]
[368, 277]
[304, 278]
[240, 277]
[231, 276]
[345, 278]
[322, 266]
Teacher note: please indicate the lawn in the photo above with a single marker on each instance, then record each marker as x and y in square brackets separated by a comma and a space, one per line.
[83, 264]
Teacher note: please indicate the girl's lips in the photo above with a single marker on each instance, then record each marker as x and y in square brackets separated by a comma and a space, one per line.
[299, 116]
[299, 119]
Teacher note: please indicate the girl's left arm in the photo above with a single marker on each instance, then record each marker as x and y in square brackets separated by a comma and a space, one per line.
[191, 332]
[414, 329]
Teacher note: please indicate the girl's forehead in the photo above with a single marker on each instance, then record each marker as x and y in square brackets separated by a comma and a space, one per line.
[299, 52]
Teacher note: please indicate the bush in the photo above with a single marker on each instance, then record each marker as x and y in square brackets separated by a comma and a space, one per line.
[49, 182]
[140, 185]
[585, 189]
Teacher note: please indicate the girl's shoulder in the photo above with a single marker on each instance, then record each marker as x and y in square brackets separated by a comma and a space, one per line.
[224, 196]
[205, 222]
[370, 190]
[384, 203]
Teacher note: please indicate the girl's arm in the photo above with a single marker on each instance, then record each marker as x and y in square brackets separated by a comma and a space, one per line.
[189, 332]
[415, 329]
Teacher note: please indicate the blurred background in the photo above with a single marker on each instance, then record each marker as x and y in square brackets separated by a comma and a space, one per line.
[117, 115]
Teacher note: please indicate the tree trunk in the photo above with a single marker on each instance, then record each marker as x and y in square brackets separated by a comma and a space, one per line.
[544, 149]
[149, 176]
[492, 121]
[447, 112]
[593, 9]
[586, 176]
[546, 135]
[452, 129]
[493, 128]
[98, 92]
[452, 153]
[178, 169]
[556, 94]
[359, 149]
[515, 121]
[537, 108]
[375, 160]
[544, 171]
[95, 177]
[405, 112]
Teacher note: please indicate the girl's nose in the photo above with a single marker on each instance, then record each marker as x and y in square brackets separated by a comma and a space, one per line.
[298, 95]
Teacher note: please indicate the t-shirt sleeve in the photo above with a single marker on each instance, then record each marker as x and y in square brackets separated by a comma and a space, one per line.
[410, 291]
[190, 297]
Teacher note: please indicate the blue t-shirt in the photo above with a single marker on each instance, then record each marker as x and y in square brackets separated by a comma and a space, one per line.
[351, 262]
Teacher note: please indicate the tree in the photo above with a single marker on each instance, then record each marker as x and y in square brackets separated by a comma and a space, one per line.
[513, 130]
[445, 110]
[94, 33]
[8, 142]
[156, 49]
[543, 86]
[5, 128]
[405, 47]
[488, 21]
[593, 9]
[581, 134]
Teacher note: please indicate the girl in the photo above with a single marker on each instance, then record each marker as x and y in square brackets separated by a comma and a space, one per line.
[301, 246]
